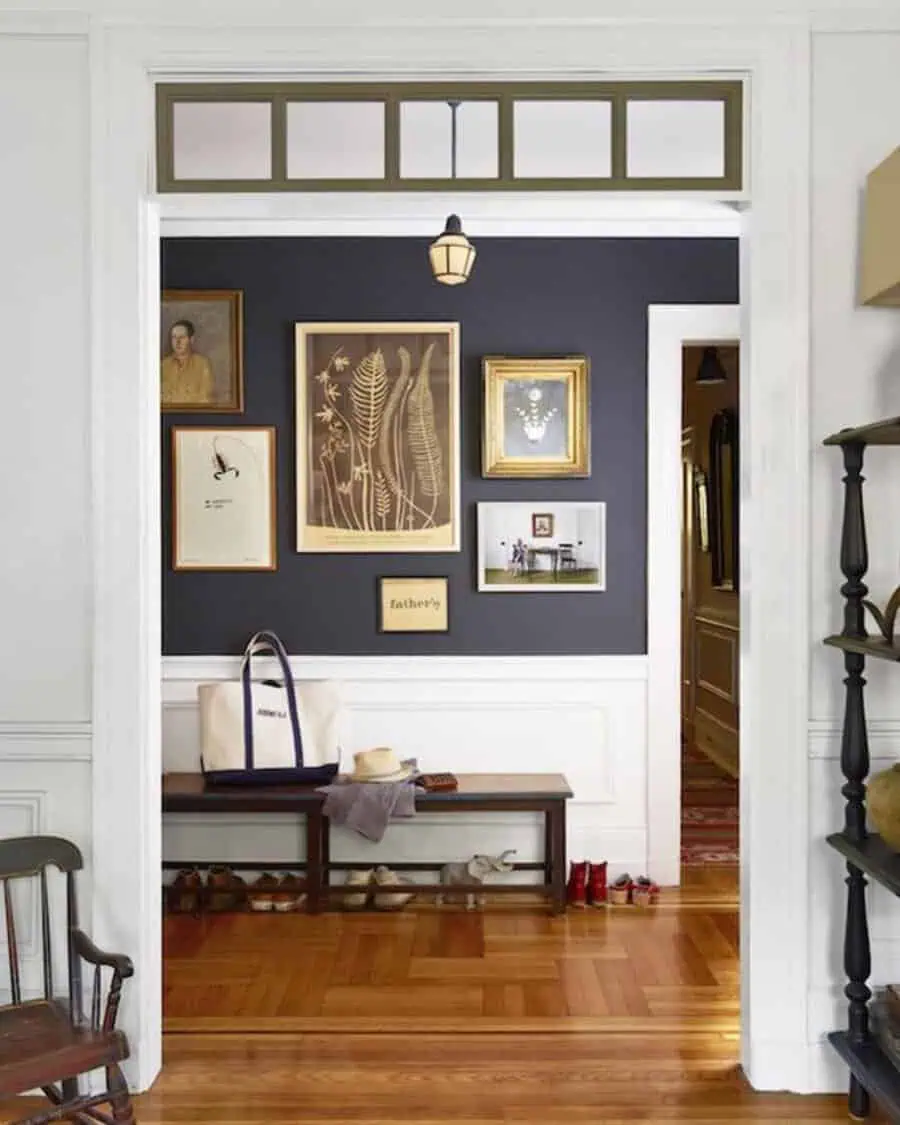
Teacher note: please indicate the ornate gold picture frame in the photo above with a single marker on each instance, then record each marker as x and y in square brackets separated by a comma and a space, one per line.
[536, 417]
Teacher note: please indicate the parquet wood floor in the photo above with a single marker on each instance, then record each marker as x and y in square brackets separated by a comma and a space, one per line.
[504, 1018]
[427, 970]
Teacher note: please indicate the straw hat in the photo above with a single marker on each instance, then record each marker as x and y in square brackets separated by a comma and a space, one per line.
[380, 764]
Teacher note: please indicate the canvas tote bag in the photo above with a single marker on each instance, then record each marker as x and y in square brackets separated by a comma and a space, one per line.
[256, 733]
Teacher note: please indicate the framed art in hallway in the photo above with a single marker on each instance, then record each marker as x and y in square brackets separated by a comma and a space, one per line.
[413, 605]
[201, 351]
[223, 498]
[517, 555]
[378, 465]
[536, 419]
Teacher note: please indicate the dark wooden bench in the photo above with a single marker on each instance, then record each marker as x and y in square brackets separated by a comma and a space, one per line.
[545, 793]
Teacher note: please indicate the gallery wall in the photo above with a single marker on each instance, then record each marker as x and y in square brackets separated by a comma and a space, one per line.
[526, 297]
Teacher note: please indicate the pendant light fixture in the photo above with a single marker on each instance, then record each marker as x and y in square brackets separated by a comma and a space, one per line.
[451, 254]
[710, 370]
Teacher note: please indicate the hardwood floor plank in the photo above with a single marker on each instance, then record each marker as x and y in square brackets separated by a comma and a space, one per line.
[513, 968]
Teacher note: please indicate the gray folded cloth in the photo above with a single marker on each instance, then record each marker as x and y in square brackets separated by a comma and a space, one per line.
[368, 806]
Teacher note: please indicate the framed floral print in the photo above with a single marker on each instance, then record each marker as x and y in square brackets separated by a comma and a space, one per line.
[378, 463]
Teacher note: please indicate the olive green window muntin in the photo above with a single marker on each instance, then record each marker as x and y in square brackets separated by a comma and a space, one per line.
[618, 95]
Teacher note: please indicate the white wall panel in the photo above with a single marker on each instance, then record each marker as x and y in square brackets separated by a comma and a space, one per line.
[45, 510]
[475, 716]
[37, 798]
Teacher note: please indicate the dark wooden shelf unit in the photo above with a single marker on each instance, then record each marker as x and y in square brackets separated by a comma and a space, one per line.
[886, 432]
[872, 1067]
[872, 1072]
[872, 856]
[865, 646]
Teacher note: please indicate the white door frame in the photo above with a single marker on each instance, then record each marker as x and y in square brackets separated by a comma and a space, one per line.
[125, 61]
[669, 328]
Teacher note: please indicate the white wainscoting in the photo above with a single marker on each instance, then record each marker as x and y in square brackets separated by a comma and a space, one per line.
[45, 789]
[585, 717]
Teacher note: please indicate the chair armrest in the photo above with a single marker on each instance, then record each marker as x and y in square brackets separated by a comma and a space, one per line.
[86, 949]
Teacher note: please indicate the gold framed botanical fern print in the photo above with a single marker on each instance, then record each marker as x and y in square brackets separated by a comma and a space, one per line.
[378, 448]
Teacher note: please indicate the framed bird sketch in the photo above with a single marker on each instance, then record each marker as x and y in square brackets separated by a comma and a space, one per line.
[378, 437]
[223, 498]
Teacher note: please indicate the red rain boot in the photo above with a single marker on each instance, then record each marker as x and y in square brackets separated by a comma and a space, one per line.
[576, 891]
[597, 885]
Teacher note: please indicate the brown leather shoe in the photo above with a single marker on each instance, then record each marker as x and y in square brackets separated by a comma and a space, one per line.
[262, 892]
[224, 889]
[184, 892]
[291, 894]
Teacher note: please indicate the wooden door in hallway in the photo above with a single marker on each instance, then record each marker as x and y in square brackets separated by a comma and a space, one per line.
[711, 613]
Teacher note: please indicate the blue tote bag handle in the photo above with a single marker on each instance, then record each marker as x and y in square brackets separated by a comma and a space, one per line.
[268, 642]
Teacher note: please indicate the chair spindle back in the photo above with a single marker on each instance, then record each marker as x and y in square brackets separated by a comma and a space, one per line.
[28, 857]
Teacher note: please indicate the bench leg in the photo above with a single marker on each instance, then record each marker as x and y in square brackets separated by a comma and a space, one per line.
[314, 820]
[555, 854]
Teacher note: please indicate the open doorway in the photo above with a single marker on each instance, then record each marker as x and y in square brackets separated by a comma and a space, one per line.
[710, 608]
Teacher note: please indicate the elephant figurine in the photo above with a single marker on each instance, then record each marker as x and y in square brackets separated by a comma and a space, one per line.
[475, 870]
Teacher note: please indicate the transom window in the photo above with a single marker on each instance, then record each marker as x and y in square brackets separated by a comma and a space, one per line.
[535, 136]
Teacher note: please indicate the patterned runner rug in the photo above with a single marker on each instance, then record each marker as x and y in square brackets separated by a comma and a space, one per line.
[709, 812]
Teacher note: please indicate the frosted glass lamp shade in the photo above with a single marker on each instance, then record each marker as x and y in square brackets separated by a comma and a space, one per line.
[452, 255]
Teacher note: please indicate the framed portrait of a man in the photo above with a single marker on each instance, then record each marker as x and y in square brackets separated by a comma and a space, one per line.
[201, 351]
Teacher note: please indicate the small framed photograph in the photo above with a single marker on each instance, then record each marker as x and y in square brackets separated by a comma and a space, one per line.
[413, 605]
[201, 351]
[536, 417]
[561, 549]
[223, 498]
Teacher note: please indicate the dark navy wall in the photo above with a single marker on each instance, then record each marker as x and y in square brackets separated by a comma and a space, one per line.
[526, 297]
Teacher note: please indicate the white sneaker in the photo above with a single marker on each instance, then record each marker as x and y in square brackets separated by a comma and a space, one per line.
[358, 879]
[384, 877]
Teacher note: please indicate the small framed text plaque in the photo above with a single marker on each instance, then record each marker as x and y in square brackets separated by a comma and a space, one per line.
[413, 605]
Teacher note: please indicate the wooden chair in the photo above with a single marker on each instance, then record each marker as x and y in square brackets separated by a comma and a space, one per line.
[567, 557]
[48, 1043]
